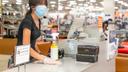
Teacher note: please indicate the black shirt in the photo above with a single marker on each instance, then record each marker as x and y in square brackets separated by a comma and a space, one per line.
[28, 23]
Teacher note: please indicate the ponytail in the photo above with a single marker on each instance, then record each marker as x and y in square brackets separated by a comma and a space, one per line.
[29, 11]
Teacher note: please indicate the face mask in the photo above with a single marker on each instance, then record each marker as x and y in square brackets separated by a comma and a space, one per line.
[41, 10]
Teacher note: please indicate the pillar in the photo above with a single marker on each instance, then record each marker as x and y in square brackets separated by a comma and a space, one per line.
[109, 9]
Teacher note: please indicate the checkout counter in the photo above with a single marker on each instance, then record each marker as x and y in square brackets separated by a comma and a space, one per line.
[68, 65]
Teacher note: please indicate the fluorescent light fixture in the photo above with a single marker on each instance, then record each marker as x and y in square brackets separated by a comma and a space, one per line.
[80, 0]
[52, 2]
[67, 8]
[116, 8]
[92, 0]
[19, 3]
[5, 1]
[60, 8]
[62, 0]
[126, 4]
[116, 0]
[102, 3]
[18, 0]
[85, 5]
[80, 4]
[72, 1]
[52, 5]
[121, 2]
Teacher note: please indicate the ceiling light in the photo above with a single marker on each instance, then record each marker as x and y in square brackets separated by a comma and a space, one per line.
[52, 5]
[116, 0]
[80, 0]
[19, 3]
[52, 2]
[85, 5]
[18, 0]
[80, 4]
[121, 2]
[126, 4]
[92, 0]
[5, 1]
[62, 0]
[67, 8]
[72, 1]
[102, 3]
[60, 8]
[116, 8]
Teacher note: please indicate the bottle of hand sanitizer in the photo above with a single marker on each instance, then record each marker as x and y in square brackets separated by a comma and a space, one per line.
[54, 48]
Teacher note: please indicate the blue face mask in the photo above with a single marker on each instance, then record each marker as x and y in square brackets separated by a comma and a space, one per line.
[41, 10]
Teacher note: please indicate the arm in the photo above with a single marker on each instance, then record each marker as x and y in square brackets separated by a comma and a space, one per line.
[26, 40]
[33, 53]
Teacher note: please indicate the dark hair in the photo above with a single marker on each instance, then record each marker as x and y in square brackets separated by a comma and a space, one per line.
[34, 3]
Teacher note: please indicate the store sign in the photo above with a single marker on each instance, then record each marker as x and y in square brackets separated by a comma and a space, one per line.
[100, 22]
[126, 14]
[22, 54]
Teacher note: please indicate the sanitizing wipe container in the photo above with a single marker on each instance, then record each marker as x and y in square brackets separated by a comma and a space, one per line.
[72, 47]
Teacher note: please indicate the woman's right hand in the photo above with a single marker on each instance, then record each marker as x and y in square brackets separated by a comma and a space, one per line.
[48, 60]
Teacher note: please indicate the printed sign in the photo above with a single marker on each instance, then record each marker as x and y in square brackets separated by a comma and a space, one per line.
[100, 22]
[22, 54]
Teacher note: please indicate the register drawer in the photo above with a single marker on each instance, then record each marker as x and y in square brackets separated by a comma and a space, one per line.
[88, 49]
[87, 58]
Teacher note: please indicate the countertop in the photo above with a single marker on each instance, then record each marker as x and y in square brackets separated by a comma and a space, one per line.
[68, 65]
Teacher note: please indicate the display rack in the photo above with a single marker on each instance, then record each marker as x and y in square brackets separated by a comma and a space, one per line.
[12, 14]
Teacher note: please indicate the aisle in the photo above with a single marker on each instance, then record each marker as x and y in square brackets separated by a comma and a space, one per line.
[90, 31]
[77, 24]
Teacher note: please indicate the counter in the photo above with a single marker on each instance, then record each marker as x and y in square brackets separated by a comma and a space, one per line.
[4, 62]
[68, 65]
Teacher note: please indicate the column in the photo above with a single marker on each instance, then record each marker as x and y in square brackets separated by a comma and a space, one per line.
[109, 8]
